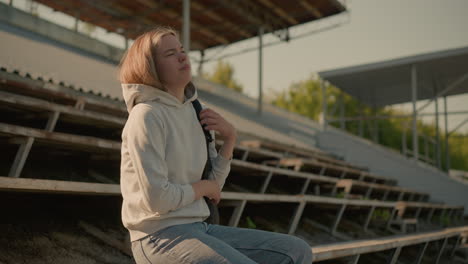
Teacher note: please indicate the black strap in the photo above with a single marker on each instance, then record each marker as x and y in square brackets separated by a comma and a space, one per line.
[214, 214]
[206, 171]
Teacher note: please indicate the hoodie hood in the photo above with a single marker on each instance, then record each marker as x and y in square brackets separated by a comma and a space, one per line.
[134, 94]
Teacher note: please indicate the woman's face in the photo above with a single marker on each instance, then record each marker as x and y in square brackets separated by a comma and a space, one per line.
[172, 64]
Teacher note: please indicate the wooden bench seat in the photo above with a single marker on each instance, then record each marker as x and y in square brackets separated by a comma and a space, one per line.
[359, 247]
[311, 165]
[347, 185]
[403, 225]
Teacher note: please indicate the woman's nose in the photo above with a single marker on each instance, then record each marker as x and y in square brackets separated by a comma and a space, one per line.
[182, 57]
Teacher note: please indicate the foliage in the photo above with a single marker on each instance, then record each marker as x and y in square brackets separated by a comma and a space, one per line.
[224, 74]
[340, 195]
[445, 220]
[381, 214]
[306, 98]
[250, 223]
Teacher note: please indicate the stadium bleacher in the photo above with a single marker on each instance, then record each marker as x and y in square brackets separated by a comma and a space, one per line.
[322, 199]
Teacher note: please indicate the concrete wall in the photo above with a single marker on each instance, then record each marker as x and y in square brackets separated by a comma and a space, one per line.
[390, 163]
[58, 35]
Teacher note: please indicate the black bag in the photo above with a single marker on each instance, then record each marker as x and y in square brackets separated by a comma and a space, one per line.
[214, 213]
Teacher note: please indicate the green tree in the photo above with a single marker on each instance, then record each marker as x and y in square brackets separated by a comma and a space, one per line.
[306, 98]
[224, 74]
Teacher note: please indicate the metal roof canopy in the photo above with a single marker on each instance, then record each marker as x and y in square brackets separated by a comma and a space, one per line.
[389, 82]
[213, 22]
[409, 79]
[204, 23]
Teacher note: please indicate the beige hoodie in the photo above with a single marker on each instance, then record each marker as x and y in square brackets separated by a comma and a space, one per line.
[163, 153]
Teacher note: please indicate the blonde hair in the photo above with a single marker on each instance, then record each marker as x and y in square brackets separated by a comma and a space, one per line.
[138, 63]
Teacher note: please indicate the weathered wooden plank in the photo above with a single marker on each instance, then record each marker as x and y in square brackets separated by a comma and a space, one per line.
[39, 104]
[300, 198]
[344, 249]
[428, 205]
[62, 138]
[55, 91]
[53, 186]
[255, 166]
[377, 186]
[318, 154]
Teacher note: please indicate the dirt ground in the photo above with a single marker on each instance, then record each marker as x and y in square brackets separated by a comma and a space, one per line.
[44, 228]
[55, 228]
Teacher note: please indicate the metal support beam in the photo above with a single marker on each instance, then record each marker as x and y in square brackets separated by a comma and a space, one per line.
[236, 215]
[200, 64]
[385, 117]
[426, 148]
[385, 195]
[245, 155]
[20, 159]
[368, 218]
[414, 97]
[401, 195]
[437, 135]
[390, 219]
[260, 68]
[368, 192]
[441, 251]
[25, 148]
[459, 125]
[324, 104]
[447, 89]
[305, 186]
[450, 213]
[342, 112]
[442, 215]
[296, 218]
[418, 212]
[395, 255]
[186, 26]
[421, 253]
[361, 126]
[447, 147]
[355, 259]
[52, 121]
[338, 219]
[376, 127]
[266, 182]
[404, 147]
[430, 214]
[342, 175]
[455, 246]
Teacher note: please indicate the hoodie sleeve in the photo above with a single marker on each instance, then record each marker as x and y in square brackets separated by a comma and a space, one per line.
[146, 146]
[221, 165]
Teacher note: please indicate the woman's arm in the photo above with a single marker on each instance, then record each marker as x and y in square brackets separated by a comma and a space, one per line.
[221, 161]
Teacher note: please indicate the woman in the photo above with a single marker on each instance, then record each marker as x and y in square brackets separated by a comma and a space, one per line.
[163, 156]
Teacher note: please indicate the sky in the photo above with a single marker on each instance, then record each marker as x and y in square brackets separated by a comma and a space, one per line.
[374, 30]
[371, 31]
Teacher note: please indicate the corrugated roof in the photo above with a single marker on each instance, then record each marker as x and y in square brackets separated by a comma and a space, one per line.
[389, 82]
[213, 22]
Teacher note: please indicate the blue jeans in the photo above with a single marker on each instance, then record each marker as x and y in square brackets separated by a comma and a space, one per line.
[202, 243]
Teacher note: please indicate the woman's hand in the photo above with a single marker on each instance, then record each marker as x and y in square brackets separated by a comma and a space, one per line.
[216, 122]
[208, 188]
